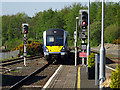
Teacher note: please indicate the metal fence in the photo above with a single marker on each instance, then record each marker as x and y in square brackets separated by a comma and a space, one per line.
[5, 55]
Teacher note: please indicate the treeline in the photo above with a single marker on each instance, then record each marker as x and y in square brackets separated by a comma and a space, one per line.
[65, 19]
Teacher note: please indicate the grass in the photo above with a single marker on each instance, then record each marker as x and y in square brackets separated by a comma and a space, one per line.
[110, 56]
[14, 71]
[11, 58]
[8, 59]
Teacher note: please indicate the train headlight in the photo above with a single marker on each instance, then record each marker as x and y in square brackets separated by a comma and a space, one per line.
[46, 50]
[63, 49]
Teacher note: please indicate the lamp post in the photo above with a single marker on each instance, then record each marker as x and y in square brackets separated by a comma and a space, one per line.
[102, 51]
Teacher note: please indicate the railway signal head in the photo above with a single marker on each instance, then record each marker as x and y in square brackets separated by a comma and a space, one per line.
[25, 28]
[83, 19]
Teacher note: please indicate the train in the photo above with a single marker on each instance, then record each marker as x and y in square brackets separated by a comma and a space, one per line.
[55, 43]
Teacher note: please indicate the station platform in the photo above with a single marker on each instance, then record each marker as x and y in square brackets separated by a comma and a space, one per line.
[72, 77]
[84, 82]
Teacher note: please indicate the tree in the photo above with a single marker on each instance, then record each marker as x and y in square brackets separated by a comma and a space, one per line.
[95, 34]
[112, 33]
[99, 11]
[93, 11]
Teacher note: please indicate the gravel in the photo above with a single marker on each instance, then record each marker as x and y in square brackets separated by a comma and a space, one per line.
[19, 71]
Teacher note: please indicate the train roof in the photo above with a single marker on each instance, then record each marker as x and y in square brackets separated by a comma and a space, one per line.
[52, 29]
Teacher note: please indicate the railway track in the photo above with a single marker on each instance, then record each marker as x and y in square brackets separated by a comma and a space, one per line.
[110, 55]
[111, 63]
[116, 60]
[32, 75]
[18, 60]
[34, 80]
[21, 82]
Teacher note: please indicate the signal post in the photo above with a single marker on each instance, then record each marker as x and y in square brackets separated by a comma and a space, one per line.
[83, 21]
[25, 31]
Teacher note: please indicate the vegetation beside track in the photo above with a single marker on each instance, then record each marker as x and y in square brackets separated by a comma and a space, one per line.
[34, 48]
[64, 19]
[115, 78]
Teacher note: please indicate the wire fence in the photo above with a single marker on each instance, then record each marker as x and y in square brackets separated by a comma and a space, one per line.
[6, 55]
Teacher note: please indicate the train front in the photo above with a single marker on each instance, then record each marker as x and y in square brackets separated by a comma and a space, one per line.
[54, 43]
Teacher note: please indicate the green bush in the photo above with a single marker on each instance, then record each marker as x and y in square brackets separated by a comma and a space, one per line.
[91, 60]
[34, 48]
[111, 33]
[115, 78]
[12, 43]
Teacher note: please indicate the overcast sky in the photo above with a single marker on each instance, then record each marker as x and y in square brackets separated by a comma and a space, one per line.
[30, 7]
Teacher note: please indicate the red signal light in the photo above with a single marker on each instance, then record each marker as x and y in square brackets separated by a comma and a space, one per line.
[83, 23]
[25, 31]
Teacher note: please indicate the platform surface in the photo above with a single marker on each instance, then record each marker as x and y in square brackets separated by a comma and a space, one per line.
[67, 77]
[84, 82]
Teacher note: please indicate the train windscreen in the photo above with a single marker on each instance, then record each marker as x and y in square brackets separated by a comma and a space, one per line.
[54, 40]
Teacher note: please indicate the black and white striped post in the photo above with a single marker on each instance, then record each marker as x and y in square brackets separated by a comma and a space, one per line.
[25, 31]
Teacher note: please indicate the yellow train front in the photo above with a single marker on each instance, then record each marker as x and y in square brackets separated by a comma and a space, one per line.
[55, 43]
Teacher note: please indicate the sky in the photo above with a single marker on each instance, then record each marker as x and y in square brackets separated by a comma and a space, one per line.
[30, 7]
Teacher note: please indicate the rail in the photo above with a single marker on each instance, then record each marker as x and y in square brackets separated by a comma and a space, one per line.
[21, 82]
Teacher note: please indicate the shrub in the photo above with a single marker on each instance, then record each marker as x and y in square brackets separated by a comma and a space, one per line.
[20, 47]
[115, 78]
[32, 48]
[91, 60]
[35, 48]
[116, 41]
[111, 33]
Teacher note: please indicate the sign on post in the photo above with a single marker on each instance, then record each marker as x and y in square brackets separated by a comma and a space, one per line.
[82, 54]
[83, 46]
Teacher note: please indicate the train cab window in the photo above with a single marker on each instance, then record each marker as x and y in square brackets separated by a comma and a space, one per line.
[59, 41]
[50, 40]
[54, 40]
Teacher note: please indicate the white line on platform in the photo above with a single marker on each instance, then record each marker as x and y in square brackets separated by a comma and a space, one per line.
[110, 68]
[37, 86]
[48, 82]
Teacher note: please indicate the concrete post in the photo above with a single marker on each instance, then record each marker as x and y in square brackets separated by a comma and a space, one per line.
[102, 51]
[88, 45]
[96, 69]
